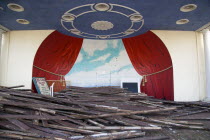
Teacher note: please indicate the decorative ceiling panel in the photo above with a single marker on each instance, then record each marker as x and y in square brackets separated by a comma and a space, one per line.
[104, 19]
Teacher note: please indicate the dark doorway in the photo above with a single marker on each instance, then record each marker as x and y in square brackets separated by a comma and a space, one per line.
[133, 87]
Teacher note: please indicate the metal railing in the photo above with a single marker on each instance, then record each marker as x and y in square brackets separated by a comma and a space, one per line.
[58, 84]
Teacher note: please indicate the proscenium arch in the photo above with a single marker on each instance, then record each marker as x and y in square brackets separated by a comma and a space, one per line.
[148, 54]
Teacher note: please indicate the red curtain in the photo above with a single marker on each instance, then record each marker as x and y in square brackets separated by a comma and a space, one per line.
[149, 56]
[55, 57]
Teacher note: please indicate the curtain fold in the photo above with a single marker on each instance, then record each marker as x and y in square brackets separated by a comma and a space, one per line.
[151, 59]
[55, 58]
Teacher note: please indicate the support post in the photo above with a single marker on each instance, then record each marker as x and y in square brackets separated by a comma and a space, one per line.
[206, 34]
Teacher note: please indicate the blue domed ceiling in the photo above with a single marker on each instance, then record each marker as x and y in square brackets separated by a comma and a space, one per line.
[104, 19]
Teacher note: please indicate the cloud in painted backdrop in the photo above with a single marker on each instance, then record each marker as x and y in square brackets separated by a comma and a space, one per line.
[90, 55]
[102, 58]
[90, 46]
[117, 63]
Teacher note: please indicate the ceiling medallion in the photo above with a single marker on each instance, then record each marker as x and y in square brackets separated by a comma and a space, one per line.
[75, 31]
[22, 21]
[15, 7]
[188, 8]
[182, 21]
[103, 36]
[102, 25]
[68, 17]
[135, 19]
[129, 31]
[102, 7]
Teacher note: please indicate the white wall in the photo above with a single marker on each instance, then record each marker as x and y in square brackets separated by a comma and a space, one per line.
[19, 48]
[186, 50]
[17, 55]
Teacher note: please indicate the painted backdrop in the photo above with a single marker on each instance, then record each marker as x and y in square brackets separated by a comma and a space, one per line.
[101, 63]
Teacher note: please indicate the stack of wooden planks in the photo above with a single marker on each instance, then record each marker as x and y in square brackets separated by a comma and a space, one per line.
[91, 114]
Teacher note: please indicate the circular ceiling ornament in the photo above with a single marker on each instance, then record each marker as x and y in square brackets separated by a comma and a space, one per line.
[102, 7]
[22, 21]
[182, 21]
[15, 7]
[95, 21]
[68, 17]
[188, 8]
[136, 17]
[103, 36]
[102, 25]
[129, 31]
[75, 31]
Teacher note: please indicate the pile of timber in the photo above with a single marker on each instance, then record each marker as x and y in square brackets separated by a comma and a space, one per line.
[90, 114]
